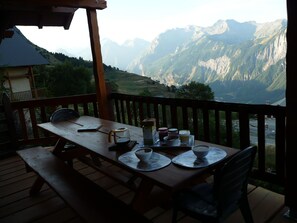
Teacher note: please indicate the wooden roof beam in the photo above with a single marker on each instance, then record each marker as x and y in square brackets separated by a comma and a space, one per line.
[40, 19]
[88, 4]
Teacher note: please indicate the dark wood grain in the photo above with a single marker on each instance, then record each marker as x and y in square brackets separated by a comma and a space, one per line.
[170, 178]
[90, 201]
[227, 116]
[266, 205]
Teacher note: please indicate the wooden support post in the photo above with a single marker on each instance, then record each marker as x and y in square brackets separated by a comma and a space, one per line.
[291, 106]
[32, 83]
[98, 65]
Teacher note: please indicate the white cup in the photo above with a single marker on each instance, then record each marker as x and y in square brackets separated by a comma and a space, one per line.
[144, 154]
[200, 151]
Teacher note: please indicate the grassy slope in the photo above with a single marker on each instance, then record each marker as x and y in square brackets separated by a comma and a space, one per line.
[135, 84]
[128, 83]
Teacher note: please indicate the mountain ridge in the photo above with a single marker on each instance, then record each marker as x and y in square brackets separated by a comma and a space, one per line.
[249, 52]
[196, 55]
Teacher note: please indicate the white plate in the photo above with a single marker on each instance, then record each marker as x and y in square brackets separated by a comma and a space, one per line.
[157, 161]
[188, 159]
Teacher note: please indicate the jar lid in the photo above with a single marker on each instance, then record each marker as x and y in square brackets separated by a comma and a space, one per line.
[148, 122]
[163, 129]
[172, 130]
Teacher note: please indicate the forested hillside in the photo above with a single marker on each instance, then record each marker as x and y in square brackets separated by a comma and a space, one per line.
[69, 76]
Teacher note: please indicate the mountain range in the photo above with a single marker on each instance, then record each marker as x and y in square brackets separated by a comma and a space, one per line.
[241, 62]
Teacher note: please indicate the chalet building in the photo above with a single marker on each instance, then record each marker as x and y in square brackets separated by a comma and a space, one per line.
[17, 58]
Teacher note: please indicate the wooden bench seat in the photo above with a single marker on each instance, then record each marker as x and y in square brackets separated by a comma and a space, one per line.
[85, 197]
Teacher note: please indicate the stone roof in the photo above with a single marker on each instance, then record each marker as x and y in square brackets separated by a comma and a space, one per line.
[18, 51]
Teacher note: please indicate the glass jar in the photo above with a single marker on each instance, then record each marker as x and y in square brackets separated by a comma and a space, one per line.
[163, 131]
[149, 131]
[173, 133]
[184, 136]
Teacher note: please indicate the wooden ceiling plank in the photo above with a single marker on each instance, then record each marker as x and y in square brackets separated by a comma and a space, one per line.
[88, 4]
[37, 19]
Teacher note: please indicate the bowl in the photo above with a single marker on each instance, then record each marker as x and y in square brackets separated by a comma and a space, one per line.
[200, 151]
[144, 154]
[171, 141]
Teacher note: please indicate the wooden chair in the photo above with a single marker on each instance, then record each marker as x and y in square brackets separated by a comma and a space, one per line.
[63, 114]
[216, 201]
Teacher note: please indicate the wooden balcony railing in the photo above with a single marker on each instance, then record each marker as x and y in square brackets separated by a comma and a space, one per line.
[230, 124]
[28, 95]
[27, 114]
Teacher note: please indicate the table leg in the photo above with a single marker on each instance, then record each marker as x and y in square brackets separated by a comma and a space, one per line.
[140, 201]
[36, 186]
[58, 150]
[59, 146]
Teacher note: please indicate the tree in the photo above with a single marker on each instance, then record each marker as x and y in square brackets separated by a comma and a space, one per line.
[112, 86]
[195, 90]
[65, 79]
[145, 92]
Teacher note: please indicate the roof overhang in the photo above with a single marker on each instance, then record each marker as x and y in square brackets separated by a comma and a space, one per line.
[41, 13]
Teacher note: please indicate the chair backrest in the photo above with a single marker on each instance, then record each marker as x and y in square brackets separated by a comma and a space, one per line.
[230, 182]
[63, 114]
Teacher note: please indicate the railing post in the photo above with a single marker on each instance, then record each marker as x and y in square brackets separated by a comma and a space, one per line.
[244, 129]
[109, 105]
[10, 121]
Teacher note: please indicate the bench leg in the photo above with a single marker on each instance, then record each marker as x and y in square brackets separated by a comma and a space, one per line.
[70, 163]
[36, 186]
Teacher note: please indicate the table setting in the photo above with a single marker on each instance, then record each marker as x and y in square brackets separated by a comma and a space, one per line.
[146, 158]
[156, 149]
[141, 160]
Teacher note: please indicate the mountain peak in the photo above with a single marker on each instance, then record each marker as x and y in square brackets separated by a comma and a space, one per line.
[219, 27]
[231, 31]
[270, 28]
[136, 42]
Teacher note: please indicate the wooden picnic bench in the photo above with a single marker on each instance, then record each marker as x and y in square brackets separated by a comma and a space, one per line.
[91, 202]
[169, 179]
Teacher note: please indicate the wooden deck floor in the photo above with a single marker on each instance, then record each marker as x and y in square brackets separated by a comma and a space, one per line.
[16, 206]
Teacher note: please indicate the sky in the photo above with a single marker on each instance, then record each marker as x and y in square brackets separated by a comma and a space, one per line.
[129, 19]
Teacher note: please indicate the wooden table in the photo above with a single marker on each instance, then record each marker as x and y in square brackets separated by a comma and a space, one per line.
[171, 178]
